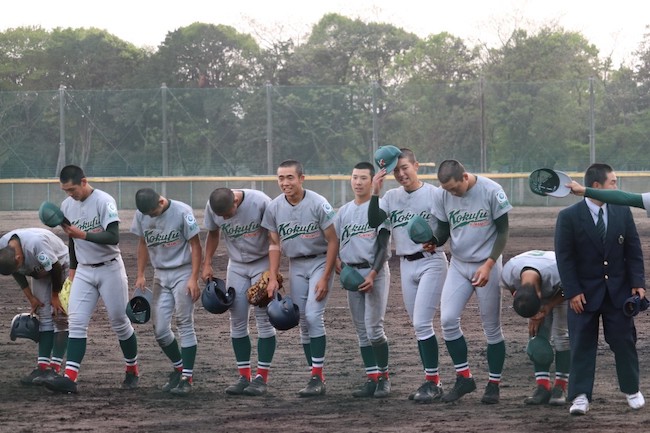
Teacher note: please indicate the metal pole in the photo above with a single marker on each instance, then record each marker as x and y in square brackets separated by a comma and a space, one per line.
[482, 110]
[60, 163]
[165, 150]
[592, 123]
[375, 119]
[269, 130]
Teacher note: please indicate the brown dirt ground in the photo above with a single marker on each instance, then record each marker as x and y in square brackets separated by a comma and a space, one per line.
[101, 406]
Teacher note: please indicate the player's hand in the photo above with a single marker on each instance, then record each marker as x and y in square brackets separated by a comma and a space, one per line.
[193, 289]
[367, 285]
[576, 188]
[140, 283]
[577, 303]
[35, 304]
[57, 309]
[378, 181]
[322, 287]
[533, 325]
[482, 275]
[207, 273]
[74, 232]
[272, 287]
[429, 247]
[639, 291]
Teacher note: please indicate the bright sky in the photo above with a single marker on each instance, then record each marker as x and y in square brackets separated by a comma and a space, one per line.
[616, 29]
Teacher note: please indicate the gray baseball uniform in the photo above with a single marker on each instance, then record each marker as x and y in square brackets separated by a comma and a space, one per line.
[555, 323]
[167, 238]
[41, 249]
[300, 229]
[247, 244]
[357, 248]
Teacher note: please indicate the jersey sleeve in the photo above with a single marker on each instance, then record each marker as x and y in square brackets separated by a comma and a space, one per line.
[268, 220]
[326, 214]
[108, 211]
[499, 203]
[136, 224]
[190, 226]
[209, 222]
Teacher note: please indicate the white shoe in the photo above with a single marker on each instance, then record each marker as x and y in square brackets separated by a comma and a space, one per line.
[636, 401]
[580, 405]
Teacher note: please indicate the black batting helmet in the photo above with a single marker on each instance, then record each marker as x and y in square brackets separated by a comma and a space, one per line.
[139, 306]
[283, 313]
[215, 298]
[25, 325]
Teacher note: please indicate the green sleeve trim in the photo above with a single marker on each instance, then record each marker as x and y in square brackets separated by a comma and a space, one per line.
[503, 229]
[376, 215]
[615, 196]
[111, 236]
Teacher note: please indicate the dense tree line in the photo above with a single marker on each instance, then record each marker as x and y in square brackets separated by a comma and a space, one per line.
[230, 106]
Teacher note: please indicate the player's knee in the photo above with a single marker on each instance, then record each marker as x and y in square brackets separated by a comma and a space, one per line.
[378, 341]
[165, 340]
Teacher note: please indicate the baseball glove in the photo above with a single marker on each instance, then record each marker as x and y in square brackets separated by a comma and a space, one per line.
[256, 294]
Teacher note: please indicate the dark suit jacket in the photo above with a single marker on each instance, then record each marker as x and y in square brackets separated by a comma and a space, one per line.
[588, 266]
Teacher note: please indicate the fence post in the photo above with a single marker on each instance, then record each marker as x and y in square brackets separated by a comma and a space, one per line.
[60, 163]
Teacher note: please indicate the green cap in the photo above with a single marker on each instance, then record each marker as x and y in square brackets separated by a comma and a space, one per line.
[50, 214]
[420, 231]
[351, 278]
[539, 350]
[386, 157]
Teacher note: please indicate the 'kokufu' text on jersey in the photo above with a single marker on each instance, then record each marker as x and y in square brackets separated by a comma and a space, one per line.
[356, 237]
[41, 249]
[167, 235]
[300, 227]
[92, 215]
[471, 218]
[246, 239]
[542, 261]
[401, 206]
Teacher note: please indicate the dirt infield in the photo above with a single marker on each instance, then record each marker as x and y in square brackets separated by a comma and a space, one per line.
[101, 406]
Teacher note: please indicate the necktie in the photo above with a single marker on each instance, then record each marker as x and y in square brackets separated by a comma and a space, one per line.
[600, 226]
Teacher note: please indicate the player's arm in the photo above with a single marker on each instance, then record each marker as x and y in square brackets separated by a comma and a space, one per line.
[482, 274]
[274, 263]
[197, 253]
[56, 277]
[211, 245]
[615, 196]
[376, 215]
[442, 232]
[381, 250]
[24, 285]
[110, 236]
[322, 287]
[142, 259]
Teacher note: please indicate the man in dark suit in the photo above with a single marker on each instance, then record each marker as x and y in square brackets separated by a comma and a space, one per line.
[601, 264]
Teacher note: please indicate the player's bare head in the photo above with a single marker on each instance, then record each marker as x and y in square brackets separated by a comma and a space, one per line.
[526, 302]
[222, 200]
[406, 153]
[146, 200]
[450, 169]
[292, 163]
[8, 263]
[597, 173]
[73, 174]
[365, 166]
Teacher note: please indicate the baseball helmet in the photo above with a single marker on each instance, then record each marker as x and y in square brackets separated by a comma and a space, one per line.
[215, 298]
[25, 325]
[283, 313]
[139, 306]
[539, 350]
[634, 304]
[351, 278]
[420, 231]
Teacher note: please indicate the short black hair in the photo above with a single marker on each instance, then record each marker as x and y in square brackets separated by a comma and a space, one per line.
[221, 200]
[71, 173]
[293, 163]
[597, 172]
[365, 165]
[450, 169]
[146, 200]
[8, 260]
[526, 302]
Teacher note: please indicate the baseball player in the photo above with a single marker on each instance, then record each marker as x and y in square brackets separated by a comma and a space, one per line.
[169, 237]
[96, 270]
[43, 256]
[301, 224]
[473, 211]
[366, 249]
[533, 279]
[422, 272]
[238, 215]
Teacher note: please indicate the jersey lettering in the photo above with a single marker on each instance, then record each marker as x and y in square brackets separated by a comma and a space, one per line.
[235, 231]
[286, 231]
[399, 218]
[359, 230]
[459, 218]
[89, 225]
[154, 238]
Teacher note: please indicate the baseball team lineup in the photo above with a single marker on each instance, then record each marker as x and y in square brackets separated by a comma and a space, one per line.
[449, 241]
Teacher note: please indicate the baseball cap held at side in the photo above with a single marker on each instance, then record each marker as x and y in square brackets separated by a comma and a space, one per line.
[420, 231]
[386, 157]
[549, 182]
[351, 278]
